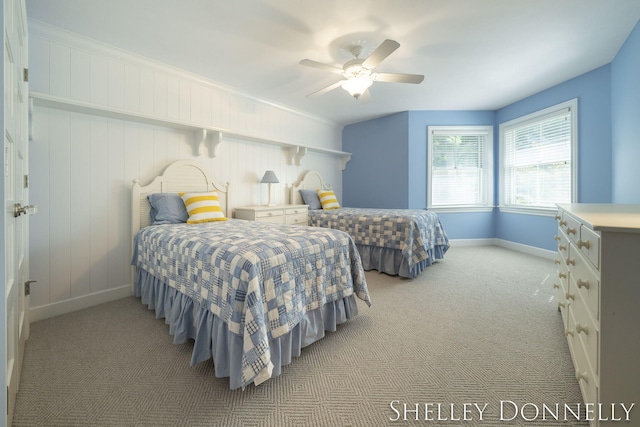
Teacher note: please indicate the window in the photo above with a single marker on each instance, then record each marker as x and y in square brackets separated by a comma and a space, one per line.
[538, 160]
[460, 167]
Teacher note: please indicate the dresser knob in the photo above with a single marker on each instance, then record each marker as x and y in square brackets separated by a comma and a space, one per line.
[568, 332]
[583, 244]
[563, 222]
[555, 286]
[571, 261]
[582, 376]
[557, 261]
[562, 247]
[582, 283]
[557, 217]
[562, 275]
[569, 296]
[580, 328]
[556, 238]
[571, 231]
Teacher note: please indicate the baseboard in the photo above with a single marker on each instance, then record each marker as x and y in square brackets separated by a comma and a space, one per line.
[63, 307]
[473, 242]
[56, 309]
[519, 247]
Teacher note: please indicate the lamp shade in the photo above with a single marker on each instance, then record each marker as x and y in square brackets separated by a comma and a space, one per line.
[269, 178]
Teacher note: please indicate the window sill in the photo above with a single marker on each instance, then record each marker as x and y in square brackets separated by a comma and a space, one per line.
[460, 209]
[529, 211]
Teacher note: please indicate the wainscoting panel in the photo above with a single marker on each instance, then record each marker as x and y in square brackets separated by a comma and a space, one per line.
[82, 166]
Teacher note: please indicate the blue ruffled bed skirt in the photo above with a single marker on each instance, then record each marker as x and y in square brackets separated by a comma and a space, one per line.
[212, 339]
[392, 261]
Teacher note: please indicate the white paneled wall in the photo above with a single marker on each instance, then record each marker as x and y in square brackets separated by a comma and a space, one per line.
[82, 166]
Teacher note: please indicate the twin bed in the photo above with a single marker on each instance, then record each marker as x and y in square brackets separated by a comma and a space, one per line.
[394, 241]
[252, 294]
[249, 294]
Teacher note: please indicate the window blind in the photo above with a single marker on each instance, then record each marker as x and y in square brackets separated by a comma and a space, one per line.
[460, 169]
[537, 161]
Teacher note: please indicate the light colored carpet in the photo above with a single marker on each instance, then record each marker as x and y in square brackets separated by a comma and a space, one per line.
[479, 327]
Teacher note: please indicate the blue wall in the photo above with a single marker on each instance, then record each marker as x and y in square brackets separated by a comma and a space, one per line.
[608, 149]
[377, 174]
[418, 123]
[625, 112]
[593, 91]
[388, 168]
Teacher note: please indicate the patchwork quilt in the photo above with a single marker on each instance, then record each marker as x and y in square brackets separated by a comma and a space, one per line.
[259, 278]
[413, 232]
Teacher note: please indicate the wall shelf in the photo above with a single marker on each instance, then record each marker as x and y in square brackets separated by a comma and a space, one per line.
[203, 135]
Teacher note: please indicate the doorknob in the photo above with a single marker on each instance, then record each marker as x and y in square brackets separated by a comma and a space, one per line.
[18, 209]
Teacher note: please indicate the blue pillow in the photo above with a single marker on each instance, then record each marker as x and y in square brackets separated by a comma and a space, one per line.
[310, 197]
[167, 208]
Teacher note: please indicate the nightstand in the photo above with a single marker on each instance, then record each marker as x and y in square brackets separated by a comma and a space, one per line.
[281, 214]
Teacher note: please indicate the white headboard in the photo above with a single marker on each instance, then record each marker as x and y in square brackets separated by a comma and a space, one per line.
[183, 175]
[311, 180]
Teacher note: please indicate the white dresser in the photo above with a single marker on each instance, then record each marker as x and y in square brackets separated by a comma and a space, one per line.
[282, 214]
[598, 291]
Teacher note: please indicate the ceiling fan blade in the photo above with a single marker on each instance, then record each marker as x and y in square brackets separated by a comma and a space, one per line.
[326, 89]
[399, 78]
[321, 66]
[385, 49]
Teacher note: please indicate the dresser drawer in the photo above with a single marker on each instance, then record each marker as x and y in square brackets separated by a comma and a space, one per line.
[273, 219]
[589, 244]
[563, 306]
[563, 244]
[268, 214]
[586, 281]
[300, 219]
[562, 277]
[584, 374]
[571, 227]
[588, 333]
[296, 211]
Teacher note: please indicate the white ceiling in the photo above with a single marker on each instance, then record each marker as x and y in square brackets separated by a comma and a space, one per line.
[475, 54]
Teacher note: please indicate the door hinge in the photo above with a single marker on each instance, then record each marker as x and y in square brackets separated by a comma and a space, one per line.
[25, 74]
[27, 287]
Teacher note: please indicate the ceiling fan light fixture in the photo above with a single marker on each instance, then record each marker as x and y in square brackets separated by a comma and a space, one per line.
[358, 73]
[356, 85]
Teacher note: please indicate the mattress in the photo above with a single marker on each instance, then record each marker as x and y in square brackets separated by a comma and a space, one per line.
[258, 280]
[395, 241]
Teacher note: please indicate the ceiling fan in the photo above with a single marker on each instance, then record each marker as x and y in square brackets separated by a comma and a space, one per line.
[358, 74]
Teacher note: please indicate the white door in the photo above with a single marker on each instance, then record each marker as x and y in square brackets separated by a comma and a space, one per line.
[16, 195]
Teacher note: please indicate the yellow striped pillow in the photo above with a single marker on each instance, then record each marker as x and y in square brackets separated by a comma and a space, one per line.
[328, 199]
[203, 207]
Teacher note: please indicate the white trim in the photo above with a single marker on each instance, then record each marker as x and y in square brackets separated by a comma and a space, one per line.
[570, 105]
[63, 307]
[485, 130]
[204, 135]
[60, 35]
[528, 211]
[472, 242]
[461, 209]
[518, 247]
[531, 250]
